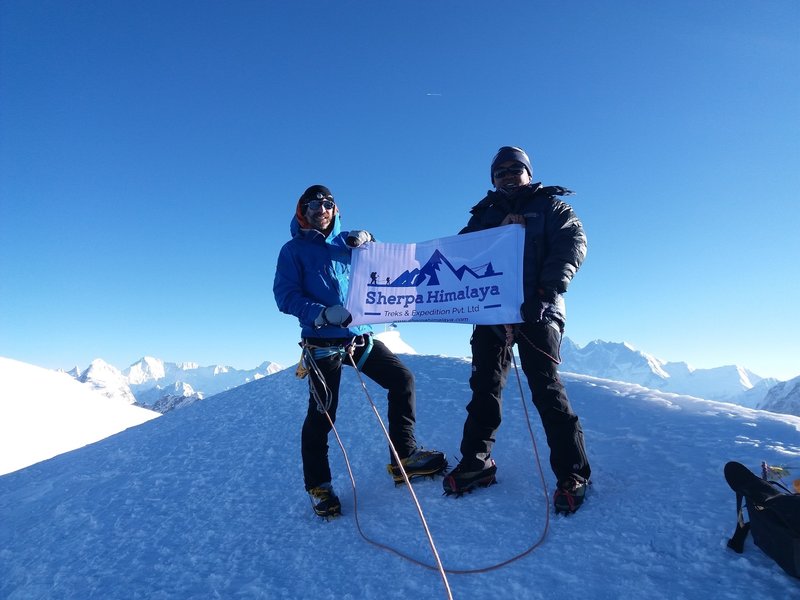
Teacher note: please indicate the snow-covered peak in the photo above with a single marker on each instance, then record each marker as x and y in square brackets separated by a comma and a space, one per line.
[614, 360]
[100, 370]
[268, 368]
[394, 342]
[146, 369]
[108, 381]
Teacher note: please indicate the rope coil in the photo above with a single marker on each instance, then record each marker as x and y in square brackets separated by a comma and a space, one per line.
[324, 405]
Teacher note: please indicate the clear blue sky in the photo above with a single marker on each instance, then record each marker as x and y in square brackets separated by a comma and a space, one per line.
[151, 154]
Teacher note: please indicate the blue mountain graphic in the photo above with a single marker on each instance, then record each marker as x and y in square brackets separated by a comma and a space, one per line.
[428, 274]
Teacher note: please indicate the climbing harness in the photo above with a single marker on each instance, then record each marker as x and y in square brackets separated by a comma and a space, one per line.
[311, 353]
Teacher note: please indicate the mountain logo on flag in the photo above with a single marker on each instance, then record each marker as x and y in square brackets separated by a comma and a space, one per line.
[428, 274]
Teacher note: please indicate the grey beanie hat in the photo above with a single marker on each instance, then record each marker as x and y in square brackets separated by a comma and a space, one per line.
[507, 153]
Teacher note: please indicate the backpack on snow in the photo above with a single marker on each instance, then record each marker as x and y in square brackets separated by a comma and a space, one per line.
[774, 517]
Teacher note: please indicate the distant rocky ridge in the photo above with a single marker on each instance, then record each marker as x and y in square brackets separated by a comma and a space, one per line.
[783, 398]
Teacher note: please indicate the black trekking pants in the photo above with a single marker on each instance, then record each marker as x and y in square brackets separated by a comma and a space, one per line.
[385, 369]
[491, 360]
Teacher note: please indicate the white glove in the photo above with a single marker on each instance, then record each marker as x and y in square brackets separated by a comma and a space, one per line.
[334, 315]
[357, 237]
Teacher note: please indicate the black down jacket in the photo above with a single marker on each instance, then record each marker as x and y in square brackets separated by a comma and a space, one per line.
[555, 243]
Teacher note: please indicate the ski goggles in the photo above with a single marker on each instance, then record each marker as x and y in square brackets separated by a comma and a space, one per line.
[508, 171]
[316, 204]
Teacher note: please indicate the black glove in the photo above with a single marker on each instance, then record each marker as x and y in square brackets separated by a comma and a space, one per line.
[541, 309]
[334, 315]
[357, 237]
[533, 311]
[548, 295]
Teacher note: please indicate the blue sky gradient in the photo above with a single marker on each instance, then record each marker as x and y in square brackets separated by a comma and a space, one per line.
[151, 155]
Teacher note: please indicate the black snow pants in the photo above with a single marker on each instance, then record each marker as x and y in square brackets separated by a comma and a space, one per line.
[385, 369]
[491, 360]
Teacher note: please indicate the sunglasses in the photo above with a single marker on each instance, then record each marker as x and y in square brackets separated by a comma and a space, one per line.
[315, 204]
[508, 171]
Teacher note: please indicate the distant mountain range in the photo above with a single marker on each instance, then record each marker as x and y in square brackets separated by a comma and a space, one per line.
[732, 384]
[622, 362]
[161, 386]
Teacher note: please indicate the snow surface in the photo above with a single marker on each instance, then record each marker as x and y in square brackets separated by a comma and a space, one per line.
[208, 502]
[45, 413]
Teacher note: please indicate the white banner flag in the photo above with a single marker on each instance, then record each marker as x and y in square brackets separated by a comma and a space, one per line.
[472, 278]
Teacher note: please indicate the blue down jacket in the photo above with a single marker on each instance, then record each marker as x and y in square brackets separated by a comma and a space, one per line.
[555, 243]
[313, 272]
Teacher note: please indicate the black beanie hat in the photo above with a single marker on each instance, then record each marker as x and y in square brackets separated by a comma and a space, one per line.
[316, 192]
[507, 153]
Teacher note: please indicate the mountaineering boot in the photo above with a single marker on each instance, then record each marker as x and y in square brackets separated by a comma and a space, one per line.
[468, 475]
[569, 495]
[324, 500]
[419, 464]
